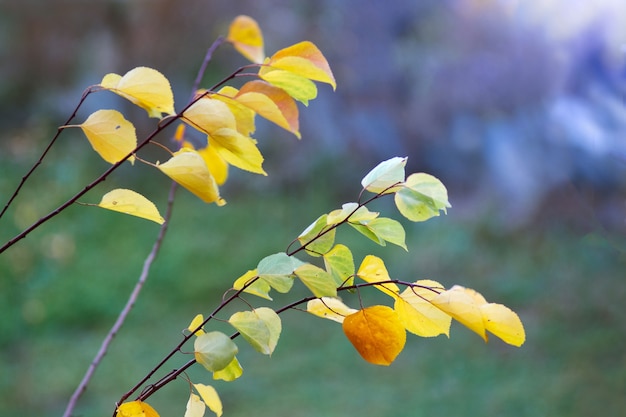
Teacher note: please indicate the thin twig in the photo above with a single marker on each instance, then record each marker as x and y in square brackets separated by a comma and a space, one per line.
[127, 308]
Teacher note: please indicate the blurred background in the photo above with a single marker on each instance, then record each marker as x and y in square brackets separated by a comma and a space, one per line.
[517, 106]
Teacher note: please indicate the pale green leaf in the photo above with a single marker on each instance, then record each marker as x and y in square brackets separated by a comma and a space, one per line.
[351, 212]
[320, 282]
[260, 327]
[322, 244]
[389, 230]
[340, 263]
[369, 233]
[384, 177]
[214, 350]
[421, 197]
[277, 270]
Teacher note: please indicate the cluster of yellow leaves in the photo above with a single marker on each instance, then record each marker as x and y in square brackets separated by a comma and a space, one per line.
[424, 308]
[226, 116]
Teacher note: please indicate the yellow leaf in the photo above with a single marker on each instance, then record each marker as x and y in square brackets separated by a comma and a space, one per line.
[463, 307]
[246, 37]
[271, 103]
[376, 333]
[244, 116]
[304, 59]
[331, 308]
[218, 167]
[237, 149]
[232, 371]
[136, 409]
[195, 406]
[210, 398]
[132, 203]
[503, 323]
[259, 287]
[188, 169]
[297, 86]
[195, 323]
[145, 87]
[208, 115]
[373, 269]
[418, 315]
[110, 134]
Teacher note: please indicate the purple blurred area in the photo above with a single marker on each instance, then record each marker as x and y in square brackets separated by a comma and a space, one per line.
[518, 106]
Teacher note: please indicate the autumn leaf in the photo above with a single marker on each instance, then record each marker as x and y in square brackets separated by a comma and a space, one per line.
[214, 350]
[258, 287]
[503, 323]
[373, 269]
[195, 406]
[195, 324]
[416, 312]
[298, 87]
[315, 243]
[271, 103]
[145, 87]
[260, 327]
[131, 203]
[208, 115]
[210, 397]
[237, 149]
[188, 169]
[464, 307]
[110, 135]
[218, 167]
[232, 371]
[376, 333]
[331, 308]
[304, 59]
[136, 409]
[244, 116]
[245, 35]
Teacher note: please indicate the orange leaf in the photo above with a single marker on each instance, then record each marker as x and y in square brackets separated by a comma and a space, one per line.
[272, 103]
[245, 35]
[376, 333]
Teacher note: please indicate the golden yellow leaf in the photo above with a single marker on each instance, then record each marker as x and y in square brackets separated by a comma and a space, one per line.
[237, 149]
[197, 321]
[463, 307]
[208, 115]
[373, 269]
[188, 169]
[331, 308]
[136, 409]
[195, 406]
[503, 323]
[132, 203]
[297, 86]
[376, 333]
[218, 167]
[271, 103]
[418, 315]
[110, 134]
[210, 398]
[304, 59]
[145, 87]
[244, 116]
[246, 37]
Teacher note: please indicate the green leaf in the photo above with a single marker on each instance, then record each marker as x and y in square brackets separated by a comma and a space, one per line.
[277, 270]
[261, 327]
[340, 263]
[422, 197]
[369, 233]
[389, 230]
[320, 245]
[384, 176]
[320, 282]
[214, 350]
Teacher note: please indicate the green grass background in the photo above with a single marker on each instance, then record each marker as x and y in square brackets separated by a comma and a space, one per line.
[61, 288]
